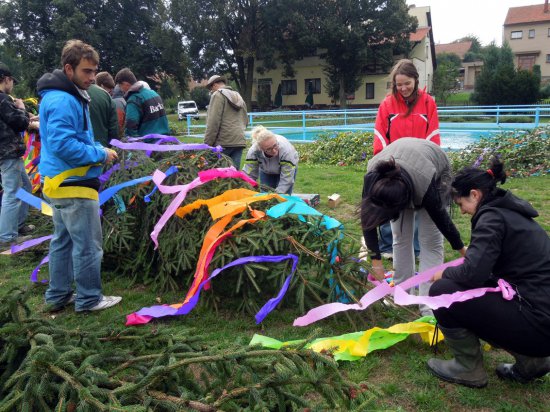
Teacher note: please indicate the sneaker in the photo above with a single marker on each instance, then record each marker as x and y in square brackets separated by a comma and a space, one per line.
[387, 255]
[26, 229]
[16, 241]
[106, 302]
[51, 308]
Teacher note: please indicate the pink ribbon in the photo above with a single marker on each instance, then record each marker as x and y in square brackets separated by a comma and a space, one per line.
[380, 291]
[182, 190]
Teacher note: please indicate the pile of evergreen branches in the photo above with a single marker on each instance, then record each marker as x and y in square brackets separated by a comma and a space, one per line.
[128, 222]
[45, 367]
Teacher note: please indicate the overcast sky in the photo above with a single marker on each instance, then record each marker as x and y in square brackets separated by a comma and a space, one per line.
[453, 19]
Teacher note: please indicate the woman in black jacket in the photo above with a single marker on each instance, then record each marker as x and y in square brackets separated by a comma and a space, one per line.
[506, 244]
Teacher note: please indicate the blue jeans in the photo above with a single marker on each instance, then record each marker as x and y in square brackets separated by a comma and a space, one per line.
[272, 180]
[75, 253]
[235, 153]
[385, 242]
[13, 212]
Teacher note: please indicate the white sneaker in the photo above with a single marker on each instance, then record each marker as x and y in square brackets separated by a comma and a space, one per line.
[387, 255]
[106, 302]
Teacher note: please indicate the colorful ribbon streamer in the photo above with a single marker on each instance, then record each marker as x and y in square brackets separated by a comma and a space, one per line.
[34, 201]
[146, 314]
[373, 295]
[354, 346]
[163, 148]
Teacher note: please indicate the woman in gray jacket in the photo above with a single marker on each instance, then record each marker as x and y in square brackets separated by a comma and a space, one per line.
[273, 158]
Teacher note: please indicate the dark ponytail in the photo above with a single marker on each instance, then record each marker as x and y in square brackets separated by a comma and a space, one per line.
[387, 197]
[483, 180]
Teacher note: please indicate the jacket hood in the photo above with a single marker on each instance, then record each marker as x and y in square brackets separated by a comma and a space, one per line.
[506, 200]
[57, 80]
[233, 97]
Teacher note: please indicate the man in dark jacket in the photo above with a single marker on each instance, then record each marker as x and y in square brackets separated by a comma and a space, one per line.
[145, 112]
[13, 120]
[103, 113]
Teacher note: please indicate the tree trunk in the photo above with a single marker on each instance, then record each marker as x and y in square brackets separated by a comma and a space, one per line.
[343, 95]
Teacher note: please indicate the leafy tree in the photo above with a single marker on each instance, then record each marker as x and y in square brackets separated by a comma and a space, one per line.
[133, 33]
[201, 96]
[445, 76]
[500, 83]
[353, 31]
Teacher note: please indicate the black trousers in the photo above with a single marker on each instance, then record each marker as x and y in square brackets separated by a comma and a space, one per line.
[500, 322]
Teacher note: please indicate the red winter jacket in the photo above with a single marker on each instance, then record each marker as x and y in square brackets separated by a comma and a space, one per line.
[392, 124]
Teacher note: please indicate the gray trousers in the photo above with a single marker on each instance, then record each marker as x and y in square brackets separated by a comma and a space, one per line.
[431, 248]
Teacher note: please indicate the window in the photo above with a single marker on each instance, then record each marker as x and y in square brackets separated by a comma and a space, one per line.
[526, 62]
[289, 87]
[548, 58]
[314, 84]
[516, 35]
[370, 91]
[531, 33]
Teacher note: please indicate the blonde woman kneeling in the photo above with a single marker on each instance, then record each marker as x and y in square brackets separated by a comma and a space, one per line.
[273, 158]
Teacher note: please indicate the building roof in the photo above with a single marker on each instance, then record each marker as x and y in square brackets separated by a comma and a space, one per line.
[526, 14]
[460, 49]
[419, 34]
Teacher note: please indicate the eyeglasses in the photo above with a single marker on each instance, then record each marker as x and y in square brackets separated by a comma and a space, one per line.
[271, 149]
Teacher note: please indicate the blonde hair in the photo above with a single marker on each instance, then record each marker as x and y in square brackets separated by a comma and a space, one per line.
[260, 134]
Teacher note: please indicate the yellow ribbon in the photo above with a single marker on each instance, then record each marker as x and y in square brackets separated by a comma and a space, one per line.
[52, 185]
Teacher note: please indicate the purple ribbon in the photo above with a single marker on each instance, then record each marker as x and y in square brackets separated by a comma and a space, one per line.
[34, 274]
[165, 310]
[29, 243]
[163, 148]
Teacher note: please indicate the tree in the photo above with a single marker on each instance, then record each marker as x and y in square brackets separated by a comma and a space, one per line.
[354, 31]
[201, 96]
[133, 33]
[500, 83]
[445, 76]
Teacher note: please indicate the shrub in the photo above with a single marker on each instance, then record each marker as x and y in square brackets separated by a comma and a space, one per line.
[340, 148]
[525, 153]
[201, 96]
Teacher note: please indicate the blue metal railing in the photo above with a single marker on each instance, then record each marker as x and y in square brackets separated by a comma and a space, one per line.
[304, 125]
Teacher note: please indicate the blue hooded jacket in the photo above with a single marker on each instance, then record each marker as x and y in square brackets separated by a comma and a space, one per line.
[66, 130]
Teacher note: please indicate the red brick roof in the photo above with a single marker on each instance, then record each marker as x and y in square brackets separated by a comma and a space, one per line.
[526, 14]
[419, 34]
[459, 49]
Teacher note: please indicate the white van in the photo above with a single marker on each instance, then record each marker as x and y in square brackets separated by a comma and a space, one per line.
[187, 108]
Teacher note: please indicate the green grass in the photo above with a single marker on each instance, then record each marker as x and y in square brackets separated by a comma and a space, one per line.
[398, 375]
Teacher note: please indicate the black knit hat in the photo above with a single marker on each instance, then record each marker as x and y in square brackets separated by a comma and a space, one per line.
[6, 72]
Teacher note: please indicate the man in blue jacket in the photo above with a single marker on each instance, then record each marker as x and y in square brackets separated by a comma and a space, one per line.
[70, 165]
[13, 120]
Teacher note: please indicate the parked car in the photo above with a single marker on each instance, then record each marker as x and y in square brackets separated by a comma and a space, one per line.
[188, 108]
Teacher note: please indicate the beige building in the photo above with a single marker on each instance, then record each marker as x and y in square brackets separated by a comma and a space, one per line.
[527, 31]
[375, 85]
[468, 70]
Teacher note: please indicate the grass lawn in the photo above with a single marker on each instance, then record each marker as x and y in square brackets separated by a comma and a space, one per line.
[397, 376]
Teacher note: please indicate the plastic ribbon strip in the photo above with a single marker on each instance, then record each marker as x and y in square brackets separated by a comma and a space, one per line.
[107, 175]
[160, 139]
[354, 346]
[52, 186]
[227, 196]
[146, 314]
[27, 244]
[111, 191]
[182, 190]
[171, 170]
[34, 274]
[163, 148]
[401, 297]
[373, 295]
[34, 201]
[297, 206]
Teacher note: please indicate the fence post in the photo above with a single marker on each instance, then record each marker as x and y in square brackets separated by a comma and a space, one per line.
[250, 120]
[498, 114]
[345, 117]
[537, 116]
[188, 125]
[303, 125]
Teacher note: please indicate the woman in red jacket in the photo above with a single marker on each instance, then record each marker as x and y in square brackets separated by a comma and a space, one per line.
[408, 112]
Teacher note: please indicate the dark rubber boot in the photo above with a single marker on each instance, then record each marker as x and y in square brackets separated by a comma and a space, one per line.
[467, 366]
[525, 370]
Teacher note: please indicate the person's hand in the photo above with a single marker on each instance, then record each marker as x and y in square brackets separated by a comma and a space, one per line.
[377, 270]
[34, 117]
[19, 104]
[438, 275]
[111, 155]
[463, 251]
[34, 125]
